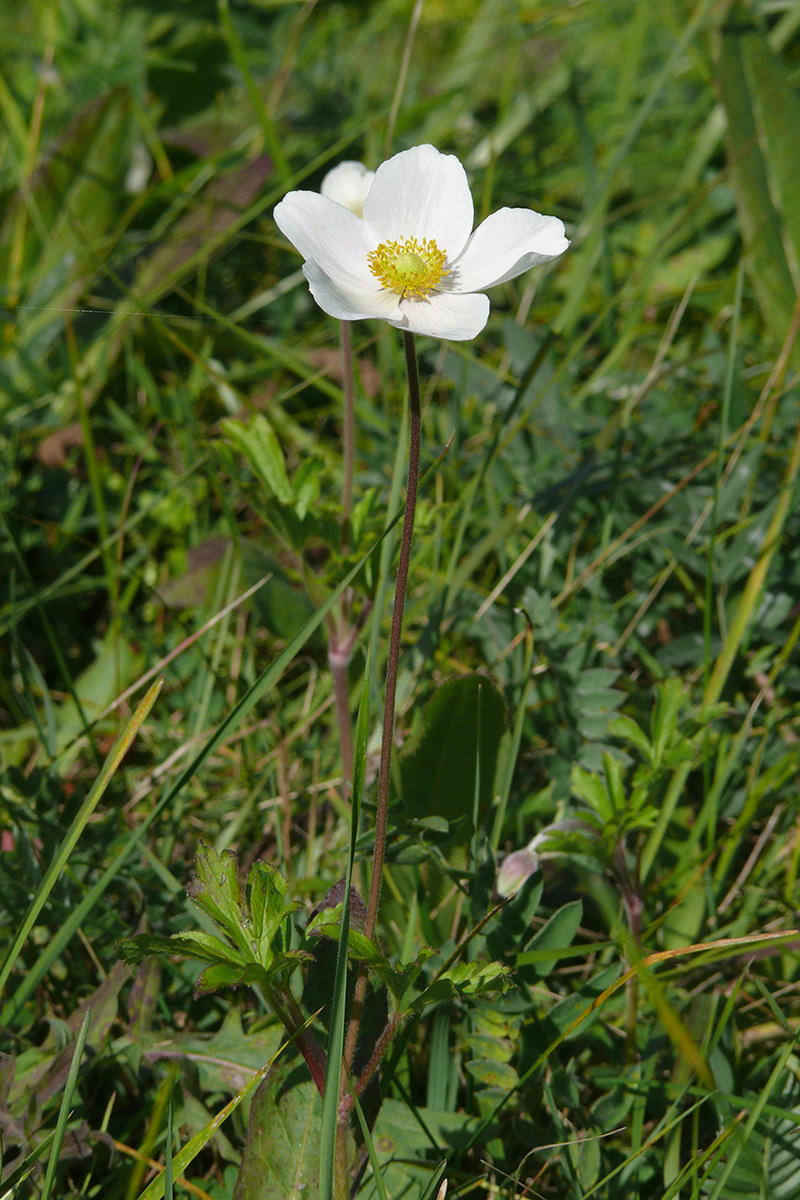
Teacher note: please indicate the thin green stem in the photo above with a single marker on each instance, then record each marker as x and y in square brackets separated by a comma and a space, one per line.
[394, 637]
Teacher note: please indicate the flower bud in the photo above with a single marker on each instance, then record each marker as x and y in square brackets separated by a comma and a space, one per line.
[348, 185]
[514, 870]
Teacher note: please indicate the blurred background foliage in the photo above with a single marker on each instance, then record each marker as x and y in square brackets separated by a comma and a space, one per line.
[610, 543]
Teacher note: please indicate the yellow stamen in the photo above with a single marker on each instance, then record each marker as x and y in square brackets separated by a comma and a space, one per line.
[410, 268]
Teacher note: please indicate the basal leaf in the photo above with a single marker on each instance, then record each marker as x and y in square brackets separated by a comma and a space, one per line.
[438, 773]
[281, 1154]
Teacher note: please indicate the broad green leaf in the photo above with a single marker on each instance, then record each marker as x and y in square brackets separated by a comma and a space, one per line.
[281, 1152]
[556, 934]
[438, 772]
[225, 1060]
[409, 1140]
[188, 1152]
[492, 1073]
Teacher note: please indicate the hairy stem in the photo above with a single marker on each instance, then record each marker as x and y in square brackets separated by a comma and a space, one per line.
[346, 1101]
[391, 685]
[293, 1021]
[394, 637]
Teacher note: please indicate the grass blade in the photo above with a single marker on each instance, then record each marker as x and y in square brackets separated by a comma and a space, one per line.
[63, 1112]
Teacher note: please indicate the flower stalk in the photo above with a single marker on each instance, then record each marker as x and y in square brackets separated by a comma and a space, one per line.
[341, 633]
[387, 739]
[382, 813]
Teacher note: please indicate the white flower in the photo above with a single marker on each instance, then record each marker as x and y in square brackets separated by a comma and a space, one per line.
[413, 259]
[348, 184]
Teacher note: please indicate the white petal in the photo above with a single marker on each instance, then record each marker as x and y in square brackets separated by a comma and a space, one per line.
[445, 315]
[348, 304]
[328, 234]
[504, 245]
[348, 184]
[423, 194]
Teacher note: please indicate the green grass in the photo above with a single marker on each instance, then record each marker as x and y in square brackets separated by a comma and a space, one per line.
[607, 536]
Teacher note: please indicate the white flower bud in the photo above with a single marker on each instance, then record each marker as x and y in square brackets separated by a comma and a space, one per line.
[514, 870]
[348, 185]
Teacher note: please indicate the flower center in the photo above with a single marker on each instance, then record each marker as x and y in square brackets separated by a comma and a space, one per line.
[411, 268]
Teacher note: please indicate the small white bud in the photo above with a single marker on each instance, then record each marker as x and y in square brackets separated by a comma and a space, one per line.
[514, 870]
[348, 185]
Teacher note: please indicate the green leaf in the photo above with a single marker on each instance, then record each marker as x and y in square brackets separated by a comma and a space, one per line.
[410, 1139]
[627, 730]
[665, 716]
[215, 889]
[281, 1152]
[251, 926]
[258, 443]
[511, 930]
[438, 772]
[492, 1073]
[268, 909]
[612, 769]
[306, 485]
[398, 979]
[556, 934]
[463, 979]
[588, 786]
[202, 946]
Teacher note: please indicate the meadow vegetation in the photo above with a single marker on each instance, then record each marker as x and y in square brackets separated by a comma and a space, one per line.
[587, 941]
